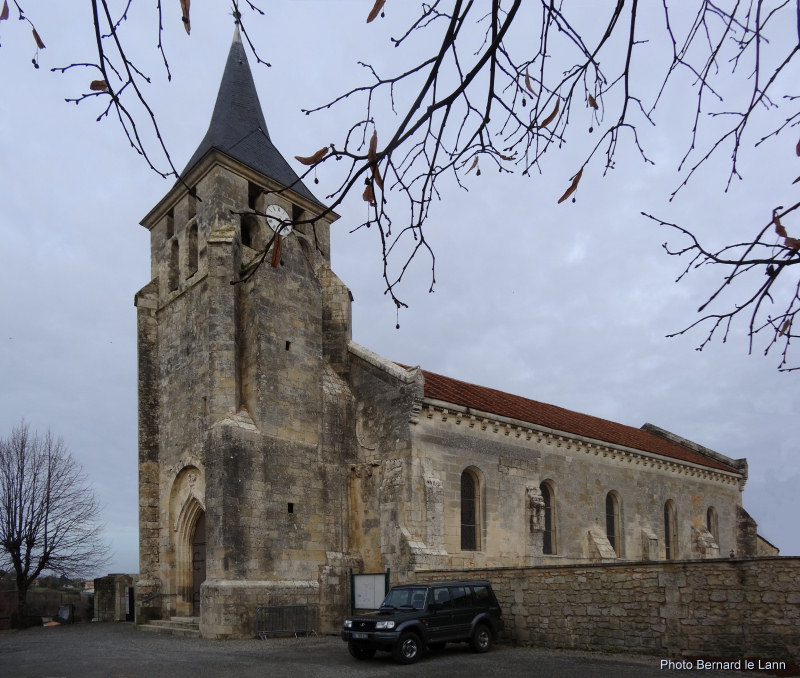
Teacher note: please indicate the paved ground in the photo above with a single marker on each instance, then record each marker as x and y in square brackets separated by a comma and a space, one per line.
[120, 651]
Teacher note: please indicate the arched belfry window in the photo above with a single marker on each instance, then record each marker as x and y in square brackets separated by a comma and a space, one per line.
[470, 511]
[613, 523]
[549, 543]
[670, 531]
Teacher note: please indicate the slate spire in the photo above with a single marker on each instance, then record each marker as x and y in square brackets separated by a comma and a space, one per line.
[238, 127]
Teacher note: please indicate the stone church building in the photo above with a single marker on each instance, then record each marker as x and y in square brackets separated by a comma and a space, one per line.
[275, 454]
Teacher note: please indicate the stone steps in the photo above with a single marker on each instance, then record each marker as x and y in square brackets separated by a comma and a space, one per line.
[177, 626]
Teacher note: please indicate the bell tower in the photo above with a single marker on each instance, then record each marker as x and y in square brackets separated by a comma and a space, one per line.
[242, 344]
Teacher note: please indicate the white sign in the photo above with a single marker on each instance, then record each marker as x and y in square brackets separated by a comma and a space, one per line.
[370, 590]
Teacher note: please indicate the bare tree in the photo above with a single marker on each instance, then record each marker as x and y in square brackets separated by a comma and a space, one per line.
[504, 84]
[48, 512]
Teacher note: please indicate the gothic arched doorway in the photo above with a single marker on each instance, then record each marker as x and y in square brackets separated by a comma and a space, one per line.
[198, 561]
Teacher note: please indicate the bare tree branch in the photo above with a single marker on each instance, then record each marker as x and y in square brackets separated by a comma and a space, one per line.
[48, 512]
[496, 84]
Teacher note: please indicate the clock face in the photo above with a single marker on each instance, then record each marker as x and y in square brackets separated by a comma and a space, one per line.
[278, 219]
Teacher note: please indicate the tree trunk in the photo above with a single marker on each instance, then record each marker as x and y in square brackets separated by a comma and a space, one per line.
[20, 621]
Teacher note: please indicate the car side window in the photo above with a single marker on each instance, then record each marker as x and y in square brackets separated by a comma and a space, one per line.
[441, 596]
[481, 594]
[460, 596]
[419, 600]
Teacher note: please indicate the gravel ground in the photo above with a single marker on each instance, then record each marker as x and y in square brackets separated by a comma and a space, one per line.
[121, 651]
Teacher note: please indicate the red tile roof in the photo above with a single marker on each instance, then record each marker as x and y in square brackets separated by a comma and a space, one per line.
[489, 400]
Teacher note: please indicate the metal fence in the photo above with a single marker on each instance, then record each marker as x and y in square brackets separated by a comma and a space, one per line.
[284, 620]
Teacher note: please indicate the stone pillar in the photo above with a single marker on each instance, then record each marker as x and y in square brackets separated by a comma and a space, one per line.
[148, 587]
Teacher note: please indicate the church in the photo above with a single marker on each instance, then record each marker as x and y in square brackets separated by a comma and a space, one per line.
[276, 455]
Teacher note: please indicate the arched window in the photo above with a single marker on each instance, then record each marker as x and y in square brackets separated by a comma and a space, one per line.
[469, 511]
[712, 523]
[670, 531]
[613, 527]
[549, 544]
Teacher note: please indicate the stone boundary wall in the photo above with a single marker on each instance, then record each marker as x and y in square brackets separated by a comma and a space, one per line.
[717, 608]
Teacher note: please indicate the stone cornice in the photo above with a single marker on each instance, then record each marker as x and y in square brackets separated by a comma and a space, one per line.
[214, 158]
[506, 426]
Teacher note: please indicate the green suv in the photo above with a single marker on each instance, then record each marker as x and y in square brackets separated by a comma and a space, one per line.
[414, 617]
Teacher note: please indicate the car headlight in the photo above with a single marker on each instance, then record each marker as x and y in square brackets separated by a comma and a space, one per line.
[384, 625]
[348, 623]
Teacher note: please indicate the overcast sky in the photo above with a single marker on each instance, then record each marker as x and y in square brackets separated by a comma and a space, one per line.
[568, 304]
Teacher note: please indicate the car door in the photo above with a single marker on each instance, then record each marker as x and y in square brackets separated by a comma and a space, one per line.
[463, 611]
[440, 624]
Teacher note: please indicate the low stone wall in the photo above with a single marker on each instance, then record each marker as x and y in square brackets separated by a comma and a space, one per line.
[712, 608]
[228, 608]
[111, 601]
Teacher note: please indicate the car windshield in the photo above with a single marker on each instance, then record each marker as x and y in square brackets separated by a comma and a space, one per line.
[406, 598]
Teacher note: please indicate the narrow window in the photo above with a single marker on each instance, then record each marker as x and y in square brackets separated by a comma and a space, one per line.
[469, 541]
[670, 531]
[549, 536]
[251, 231]
[612, 522]
[191, 249]
[174, 266]
[290, 507]
[712, 524]
[254, 192]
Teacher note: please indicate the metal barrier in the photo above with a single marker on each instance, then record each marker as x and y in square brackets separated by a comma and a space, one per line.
[284, 620]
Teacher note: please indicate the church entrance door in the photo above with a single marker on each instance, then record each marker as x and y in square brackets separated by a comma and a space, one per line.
[198, 562]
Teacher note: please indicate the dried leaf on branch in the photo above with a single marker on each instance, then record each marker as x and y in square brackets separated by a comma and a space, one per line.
[552, 115]
[369, 194]
[4, 13]
[373, 146]
[376, 175]
[312, 159]
[187, 24]
[376, 9]
[572, 187]
[277, 248]
[528, 84]
[98, 86]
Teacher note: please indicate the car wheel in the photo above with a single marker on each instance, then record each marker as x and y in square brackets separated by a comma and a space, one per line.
[408, 649]
[360, 652]
[481, 640]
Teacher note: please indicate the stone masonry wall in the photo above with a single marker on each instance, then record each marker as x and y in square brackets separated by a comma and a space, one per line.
[714, 608]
